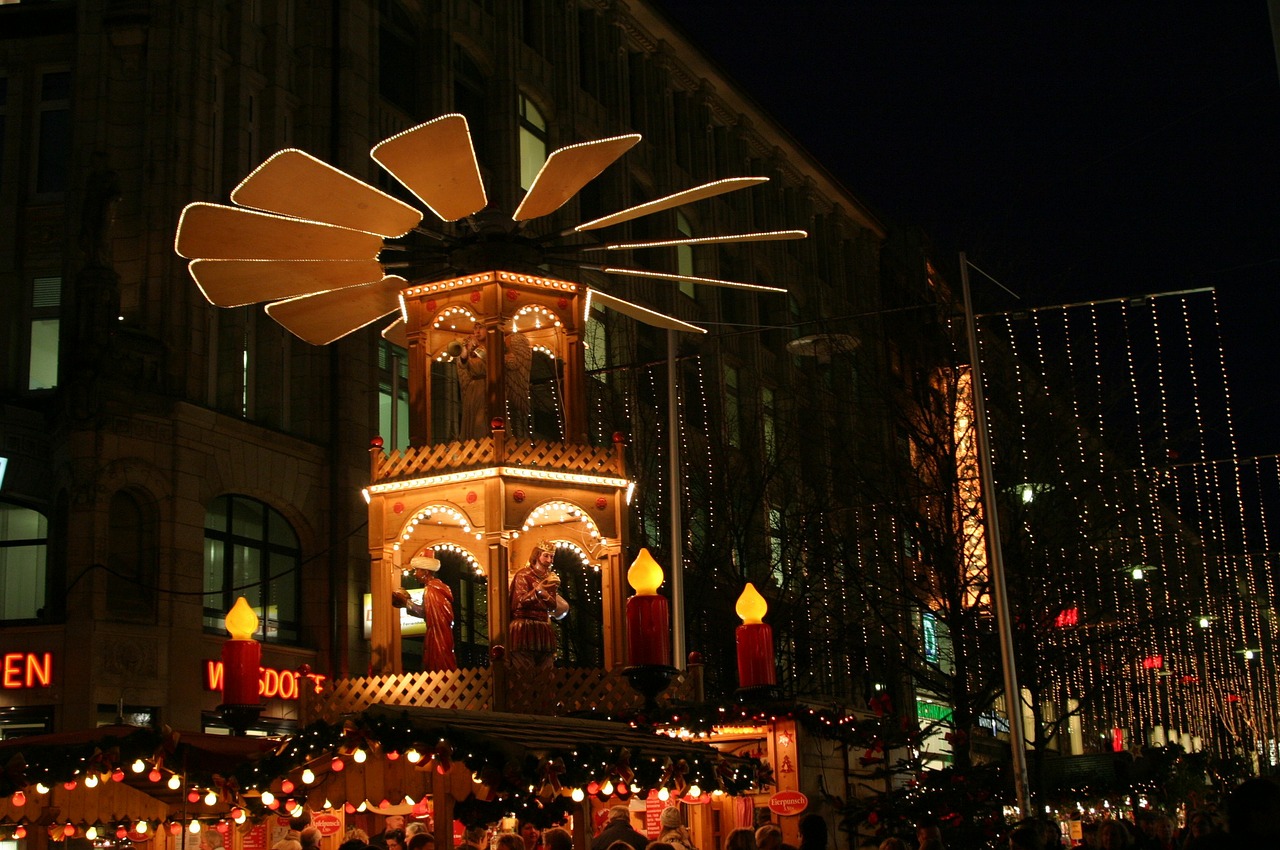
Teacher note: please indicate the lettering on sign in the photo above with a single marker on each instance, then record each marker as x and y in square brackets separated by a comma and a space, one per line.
[788, 803]
[272, 683]
[20, 670]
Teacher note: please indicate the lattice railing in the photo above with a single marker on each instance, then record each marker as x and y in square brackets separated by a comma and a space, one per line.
[490, 451]
[564, 457]
[560, 691]
[430, 460]
[467, 690]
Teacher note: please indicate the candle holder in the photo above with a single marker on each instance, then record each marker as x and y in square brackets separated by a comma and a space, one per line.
[239, 717]
[649, 680]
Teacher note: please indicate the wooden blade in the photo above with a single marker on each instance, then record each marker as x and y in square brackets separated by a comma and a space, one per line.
[234, 283]
[709, 281]
[642, 314]
[688, 196]
[437, 162]
[295, 183]
[327, 316]
[569, 169]
[215, 232]
[767, 236]
[397, 333]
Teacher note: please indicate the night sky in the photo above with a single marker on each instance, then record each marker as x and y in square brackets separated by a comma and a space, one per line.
[1072, 150]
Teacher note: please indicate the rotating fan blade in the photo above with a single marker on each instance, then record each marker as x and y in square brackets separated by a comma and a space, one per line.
[297, 184]
[642, 314]
[709, 281]
[234, 283]
[567, 170]
[327, 316]
[688, 196]
[767, 236]
[215, 232]
[436, 162]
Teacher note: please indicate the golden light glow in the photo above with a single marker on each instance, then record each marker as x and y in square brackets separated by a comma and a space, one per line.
[645, 575]
[751, 606]
[241, 620]
[493, 472]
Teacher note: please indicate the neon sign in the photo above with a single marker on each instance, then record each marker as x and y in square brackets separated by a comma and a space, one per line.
[20, 670]
[272, 683]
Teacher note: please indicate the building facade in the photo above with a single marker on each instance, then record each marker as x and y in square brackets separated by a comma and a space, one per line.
[163, 456]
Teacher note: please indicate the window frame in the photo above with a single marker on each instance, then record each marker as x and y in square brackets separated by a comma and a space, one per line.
[217, 601]
[40, 543]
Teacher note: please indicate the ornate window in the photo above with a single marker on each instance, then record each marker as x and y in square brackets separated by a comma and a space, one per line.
[251, 550]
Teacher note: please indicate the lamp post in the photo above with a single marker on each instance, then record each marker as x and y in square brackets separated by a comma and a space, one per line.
[999, 592]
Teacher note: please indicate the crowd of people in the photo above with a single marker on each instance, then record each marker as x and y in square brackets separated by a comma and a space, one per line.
[1250, 820]
[617, 833]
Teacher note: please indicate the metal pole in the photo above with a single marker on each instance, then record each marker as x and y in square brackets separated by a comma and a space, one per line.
[677, 530]
[1000, 594]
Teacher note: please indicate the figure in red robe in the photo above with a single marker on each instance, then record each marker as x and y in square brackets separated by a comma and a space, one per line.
[436, 611]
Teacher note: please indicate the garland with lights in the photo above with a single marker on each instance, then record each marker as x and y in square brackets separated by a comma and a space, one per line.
[541, 785]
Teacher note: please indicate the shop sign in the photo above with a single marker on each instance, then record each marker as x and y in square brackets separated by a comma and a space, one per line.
[272, 683]
[788, 803]
[327, 822]
[255, 838]
[22, 670]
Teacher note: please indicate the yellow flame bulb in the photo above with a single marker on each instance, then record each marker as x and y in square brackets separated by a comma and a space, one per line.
[645, 575]
[241, 621]
[751, 606]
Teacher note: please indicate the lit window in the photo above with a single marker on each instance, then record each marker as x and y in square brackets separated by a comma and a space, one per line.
[46, 301]
[251, 550]
[768, 424]
[596, 343]
[393, 382]
[23, 569]
[684, 254]
[776, 532]
[732, 407]
[533, 142]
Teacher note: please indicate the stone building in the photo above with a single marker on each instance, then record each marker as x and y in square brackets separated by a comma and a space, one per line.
[162, 456]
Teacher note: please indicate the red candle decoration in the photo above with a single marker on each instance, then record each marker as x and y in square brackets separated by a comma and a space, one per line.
[755, 641]
[648, 615]
[241, 656]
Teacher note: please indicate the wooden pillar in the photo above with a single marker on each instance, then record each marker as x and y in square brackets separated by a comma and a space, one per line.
[613, 593]
[499, 613]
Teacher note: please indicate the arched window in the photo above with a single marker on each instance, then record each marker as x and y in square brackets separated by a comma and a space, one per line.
[470, 591]
[132, 559]
[24, 537]
[581, 639]
[251, 550]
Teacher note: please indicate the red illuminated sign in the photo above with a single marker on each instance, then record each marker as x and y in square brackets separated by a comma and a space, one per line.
[20, 670]
[272, 683]
[788, 803]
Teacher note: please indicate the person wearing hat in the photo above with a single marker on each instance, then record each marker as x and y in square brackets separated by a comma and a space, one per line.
[436, 611]
[673, 829]
[535, 601]
[619, 829]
